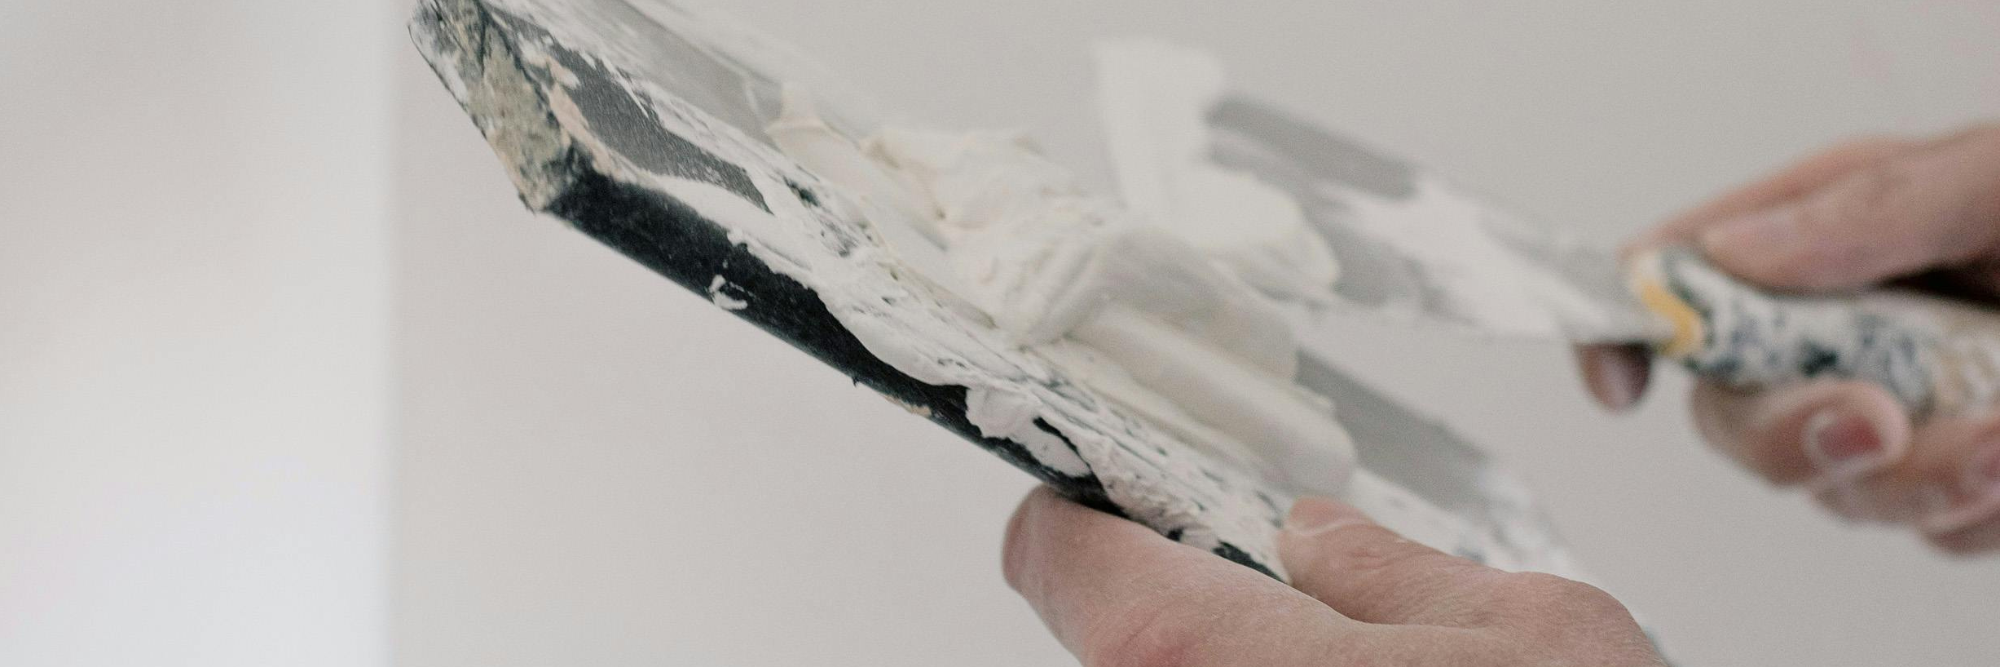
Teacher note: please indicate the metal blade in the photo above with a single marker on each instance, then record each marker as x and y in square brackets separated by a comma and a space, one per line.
[641, 124]
[1415, 246]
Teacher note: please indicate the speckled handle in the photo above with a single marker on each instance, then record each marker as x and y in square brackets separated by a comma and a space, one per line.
[1934, 355]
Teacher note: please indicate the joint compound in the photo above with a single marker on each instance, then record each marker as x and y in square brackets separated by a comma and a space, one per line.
[1118, 348]
[1171, 321]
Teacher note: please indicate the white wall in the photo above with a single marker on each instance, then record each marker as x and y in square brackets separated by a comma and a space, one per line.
[193, 333]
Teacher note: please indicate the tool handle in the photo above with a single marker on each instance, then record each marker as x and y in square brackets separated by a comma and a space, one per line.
[1936, 355]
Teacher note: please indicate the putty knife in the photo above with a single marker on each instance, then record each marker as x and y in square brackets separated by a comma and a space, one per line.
[1414, 245]
[642, 124]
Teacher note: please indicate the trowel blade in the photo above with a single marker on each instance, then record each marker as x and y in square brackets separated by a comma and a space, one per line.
[1414, 245]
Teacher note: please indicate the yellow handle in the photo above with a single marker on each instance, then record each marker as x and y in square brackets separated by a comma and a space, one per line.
[1649, 282]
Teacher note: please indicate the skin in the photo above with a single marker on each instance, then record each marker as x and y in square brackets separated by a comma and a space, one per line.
[1875, 211]
[1116, 594]
[1865, 213]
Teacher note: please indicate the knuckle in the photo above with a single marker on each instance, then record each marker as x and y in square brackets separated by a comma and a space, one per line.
[1566, 596]
[1869, 198]
[1866, 189]
[1571, 618]
[1377, 554]
[1595, 602]
[1539, 586]
[1367, 549]
[1863, 197]
[1355, 547]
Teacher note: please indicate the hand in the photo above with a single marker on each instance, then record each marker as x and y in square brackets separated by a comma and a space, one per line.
[1119, 595]
[1865, 213]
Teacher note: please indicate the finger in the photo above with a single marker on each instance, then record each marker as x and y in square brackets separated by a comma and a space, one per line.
[1429, 608]
[1822, 431]
[1369, 573]
[1787, 185]
[1980, 538]
[1970, 477]
[1615, 375]
[1950, 481]
[1931, 207]
[1937, 477]
[1113, 591]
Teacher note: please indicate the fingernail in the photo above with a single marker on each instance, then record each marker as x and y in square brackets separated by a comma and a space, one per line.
[1757, 233]
[1978, 493]
[1311, 516]
[1843, 446]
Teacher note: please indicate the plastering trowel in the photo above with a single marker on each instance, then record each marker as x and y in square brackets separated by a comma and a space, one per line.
[649, 127]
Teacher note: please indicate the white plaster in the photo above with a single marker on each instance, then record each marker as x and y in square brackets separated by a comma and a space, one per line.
[724, 301]
[1153, 98]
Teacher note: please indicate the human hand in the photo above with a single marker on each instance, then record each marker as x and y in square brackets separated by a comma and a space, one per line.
[1862, 214]
[1119, 595]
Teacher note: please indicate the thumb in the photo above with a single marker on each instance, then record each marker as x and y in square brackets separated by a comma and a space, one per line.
[1924, 209]
[1369, 573]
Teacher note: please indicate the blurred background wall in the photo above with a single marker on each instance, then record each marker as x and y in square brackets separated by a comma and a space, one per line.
[194, 304]
[260, 260]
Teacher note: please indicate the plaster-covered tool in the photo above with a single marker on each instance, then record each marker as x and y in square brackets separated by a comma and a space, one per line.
[744, 173]
[1415, 246]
